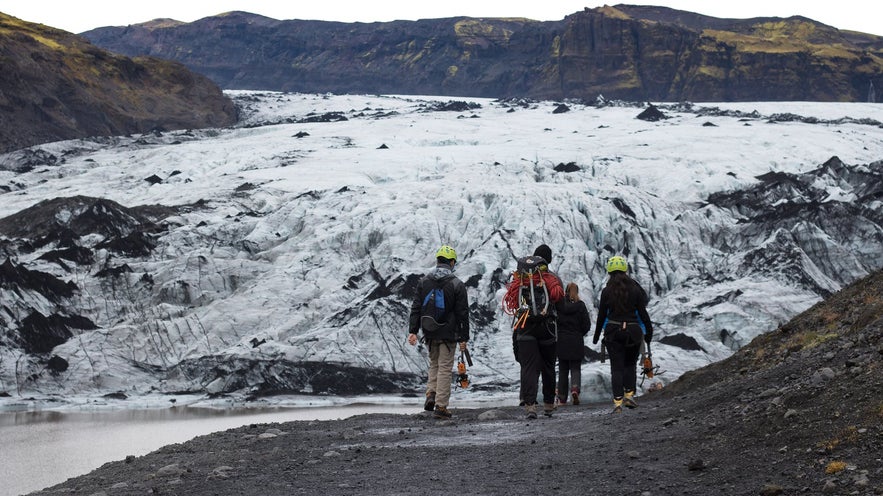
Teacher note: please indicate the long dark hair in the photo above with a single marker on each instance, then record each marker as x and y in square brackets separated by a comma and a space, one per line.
[618, 285]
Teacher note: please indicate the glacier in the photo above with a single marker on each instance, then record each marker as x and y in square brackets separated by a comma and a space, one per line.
[278, 258]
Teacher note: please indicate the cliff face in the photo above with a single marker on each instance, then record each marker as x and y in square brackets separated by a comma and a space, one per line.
[56, 86]
[628, 52]
[659, 54]
[606, 52]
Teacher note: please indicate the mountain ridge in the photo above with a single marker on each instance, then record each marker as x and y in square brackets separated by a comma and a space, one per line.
[624, 52]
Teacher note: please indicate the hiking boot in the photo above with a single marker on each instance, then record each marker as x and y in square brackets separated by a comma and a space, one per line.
[628, 400]
[531, 411]
[617, 405]
[561, 400]
[430, 401]
[442, 412]
[575, 395]
[548, 409]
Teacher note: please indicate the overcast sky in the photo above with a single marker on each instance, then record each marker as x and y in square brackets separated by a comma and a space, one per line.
[83, 15]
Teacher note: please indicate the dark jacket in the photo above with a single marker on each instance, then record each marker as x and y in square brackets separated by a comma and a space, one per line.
[574, 323]
[635, 311]
[456, 317]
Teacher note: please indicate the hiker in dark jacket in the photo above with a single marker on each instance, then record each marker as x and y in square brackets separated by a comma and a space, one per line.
[573, 324]
[623, 318]
[441, 339]
[534, 341]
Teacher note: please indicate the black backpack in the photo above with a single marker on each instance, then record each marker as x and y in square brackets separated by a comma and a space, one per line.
[533, 294]
[433, 315]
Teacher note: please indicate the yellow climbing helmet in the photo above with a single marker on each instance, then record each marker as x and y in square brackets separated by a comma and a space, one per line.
[617, 263]
[446, 252]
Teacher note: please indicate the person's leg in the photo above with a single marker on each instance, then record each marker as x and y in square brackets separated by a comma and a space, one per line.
[615, 352]
[548, 355]
[433, 367]
[445, 366]
[630, 374]
[529, 358]
[563, 375]
[576, 375]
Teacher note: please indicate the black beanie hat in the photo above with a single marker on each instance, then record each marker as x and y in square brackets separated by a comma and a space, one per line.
[545, 252]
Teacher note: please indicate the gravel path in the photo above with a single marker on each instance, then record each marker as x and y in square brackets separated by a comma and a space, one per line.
[657, 449]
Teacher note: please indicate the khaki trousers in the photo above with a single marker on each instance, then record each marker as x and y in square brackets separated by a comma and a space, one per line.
[441, 367]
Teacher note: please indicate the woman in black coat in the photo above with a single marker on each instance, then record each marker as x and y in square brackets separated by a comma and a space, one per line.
[573, 324]
[622, 316]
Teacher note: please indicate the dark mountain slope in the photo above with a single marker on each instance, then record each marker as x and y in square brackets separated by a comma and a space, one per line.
[55, 86]
[806, 398]
[628, 52]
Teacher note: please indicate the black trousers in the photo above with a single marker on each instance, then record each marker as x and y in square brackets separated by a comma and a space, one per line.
[537, 358]
[568, 370]
[623, 349]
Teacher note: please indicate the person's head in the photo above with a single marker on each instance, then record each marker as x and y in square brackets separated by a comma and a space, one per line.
[618, 283]
[572, 291]
[545, 252]
[446, 255]
[617, 264]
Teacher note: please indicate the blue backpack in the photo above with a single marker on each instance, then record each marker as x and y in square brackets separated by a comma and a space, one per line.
[432, 316]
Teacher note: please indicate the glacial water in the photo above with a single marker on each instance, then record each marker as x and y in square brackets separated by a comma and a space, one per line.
[44, 448]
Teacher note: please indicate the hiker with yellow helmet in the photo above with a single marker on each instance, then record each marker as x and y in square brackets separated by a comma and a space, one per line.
[441, 311]
[623, 318]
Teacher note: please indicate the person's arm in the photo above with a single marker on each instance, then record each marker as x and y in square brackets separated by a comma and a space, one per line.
[641, 306]
[416, 308]
[603, 309]
[461, 310]
[648, 326]
[585, 320]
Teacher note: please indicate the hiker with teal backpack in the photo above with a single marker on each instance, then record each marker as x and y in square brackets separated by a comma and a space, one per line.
[531, 297]
[623, 318]
[441, 311]
[574, 323]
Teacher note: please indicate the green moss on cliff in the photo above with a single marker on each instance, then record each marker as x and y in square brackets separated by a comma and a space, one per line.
[11, 26]
[409, 53]
[612, 12]
[785, 29]
[713, 72]
[478, 34]
[476, 27]
[869, 65]
[556, 47]
[748, 43]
